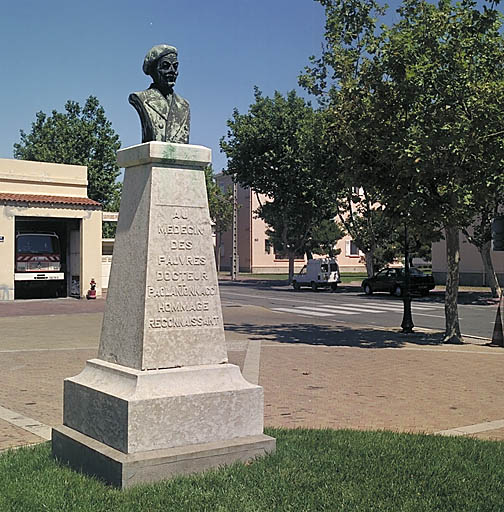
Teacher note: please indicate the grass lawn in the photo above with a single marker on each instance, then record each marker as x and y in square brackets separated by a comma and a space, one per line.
[313, 470]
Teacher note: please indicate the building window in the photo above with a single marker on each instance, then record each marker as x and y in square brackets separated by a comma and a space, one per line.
[351, 249]
[267, 246]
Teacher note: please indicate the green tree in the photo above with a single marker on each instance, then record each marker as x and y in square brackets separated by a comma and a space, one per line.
[428, 96]
[220, 204]
[276, 149]
[488, 201]
[79, 136]
[444, 68]
[324, 237]
[337, 80]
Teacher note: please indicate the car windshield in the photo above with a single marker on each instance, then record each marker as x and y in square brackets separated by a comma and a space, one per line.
[323, 267]
[333, 267]
[413, 272]
[37, 244]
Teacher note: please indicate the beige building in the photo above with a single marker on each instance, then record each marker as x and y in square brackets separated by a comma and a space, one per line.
[49, 199]
[471, 266]
[256, 255]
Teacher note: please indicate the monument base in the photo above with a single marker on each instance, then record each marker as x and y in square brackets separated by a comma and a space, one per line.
[125, 470]
[138, 411]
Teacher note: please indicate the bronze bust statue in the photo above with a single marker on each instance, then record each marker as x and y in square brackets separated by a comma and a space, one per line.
[164, 115]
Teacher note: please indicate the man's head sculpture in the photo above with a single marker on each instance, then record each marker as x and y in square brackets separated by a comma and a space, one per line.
[161, 64]
[164, 115]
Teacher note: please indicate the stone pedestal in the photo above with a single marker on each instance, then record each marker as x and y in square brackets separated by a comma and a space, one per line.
[161, 398]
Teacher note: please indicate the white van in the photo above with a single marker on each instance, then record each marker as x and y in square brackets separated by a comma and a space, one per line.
[318, 273]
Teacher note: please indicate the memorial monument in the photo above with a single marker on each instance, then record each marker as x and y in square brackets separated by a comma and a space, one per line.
[161, 398]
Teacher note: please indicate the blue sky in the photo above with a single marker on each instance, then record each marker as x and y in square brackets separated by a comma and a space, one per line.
[54, 50]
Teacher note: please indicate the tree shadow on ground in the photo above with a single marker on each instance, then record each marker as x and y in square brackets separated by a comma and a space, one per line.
[333, 336]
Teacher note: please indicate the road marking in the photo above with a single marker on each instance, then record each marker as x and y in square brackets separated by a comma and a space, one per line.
[392, 305]
[336, 310]
[33, 426]
[472, 429]
[433, 316]
[415, 310]
[302, 311]
[351, 307]
[399, 306]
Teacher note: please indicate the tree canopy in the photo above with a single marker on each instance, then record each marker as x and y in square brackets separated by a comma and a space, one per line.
[277, 150]
[418, 110]
[79, 136]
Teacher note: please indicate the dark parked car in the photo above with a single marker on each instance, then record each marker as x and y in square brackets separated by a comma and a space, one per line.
[393, 280]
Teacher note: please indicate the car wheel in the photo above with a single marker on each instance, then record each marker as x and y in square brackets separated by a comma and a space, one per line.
[334, 286]
[368, 290]
[296, 285]
[397, 291]
[314, 286]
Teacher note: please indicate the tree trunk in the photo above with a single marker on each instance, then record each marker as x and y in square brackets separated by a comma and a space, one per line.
[488, 267]
[291, 267]
[369, 263]
[452, 333]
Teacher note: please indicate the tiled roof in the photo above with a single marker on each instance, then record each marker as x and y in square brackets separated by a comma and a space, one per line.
[36, 198]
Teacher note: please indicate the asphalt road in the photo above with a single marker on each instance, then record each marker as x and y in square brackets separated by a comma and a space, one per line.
[351, 306]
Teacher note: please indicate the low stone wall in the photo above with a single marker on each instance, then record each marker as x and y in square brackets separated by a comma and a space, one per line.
[468, 278]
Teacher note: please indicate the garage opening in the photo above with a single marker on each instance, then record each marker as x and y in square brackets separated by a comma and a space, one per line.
[47, 257]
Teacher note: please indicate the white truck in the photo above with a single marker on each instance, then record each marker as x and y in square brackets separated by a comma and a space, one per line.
[318, 273]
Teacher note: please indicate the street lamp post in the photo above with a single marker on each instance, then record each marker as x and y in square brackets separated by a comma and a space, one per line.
[407, 322]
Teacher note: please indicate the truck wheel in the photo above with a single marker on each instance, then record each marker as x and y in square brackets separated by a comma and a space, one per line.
[368, 290]
[334, 286]
[397, 291]
[296, 285]
[314, 286]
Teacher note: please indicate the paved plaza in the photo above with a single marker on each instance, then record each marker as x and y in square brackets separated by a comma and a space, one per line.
[337, 376]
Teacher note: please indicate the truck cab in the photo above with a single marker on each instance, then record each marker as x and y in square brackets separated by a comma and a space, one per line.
[318, 273]
[38, 257]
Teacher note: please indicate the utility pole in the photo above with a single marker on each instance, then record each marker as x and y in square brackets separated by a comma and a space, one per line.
[235, 265]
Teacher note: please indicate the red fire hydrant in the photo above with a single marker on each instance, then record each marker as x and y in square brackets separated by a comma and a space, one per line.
[91, 293]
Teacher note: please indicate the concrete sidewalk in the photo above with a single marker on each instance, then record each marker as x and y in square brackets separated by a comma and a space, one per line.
[335, 376]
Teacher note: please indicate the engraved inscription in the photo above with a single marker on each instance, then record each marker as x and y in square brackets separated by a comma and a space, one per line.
[181, 275]
[181, 259]
[179, 281]
[168, 307]
[191, 321]
[181, 291]
[174, 229]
